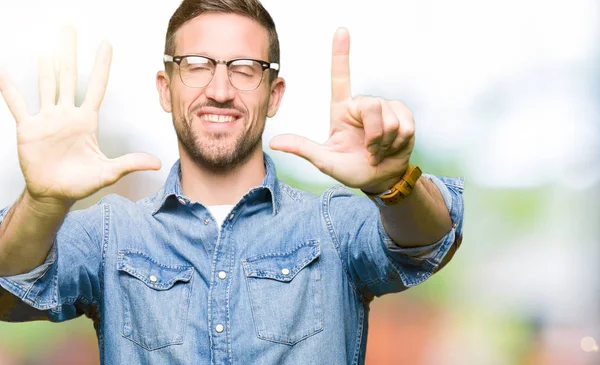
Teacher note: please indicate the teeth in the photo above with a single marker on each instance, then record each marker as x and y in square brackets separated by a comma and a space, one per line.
[218, 118]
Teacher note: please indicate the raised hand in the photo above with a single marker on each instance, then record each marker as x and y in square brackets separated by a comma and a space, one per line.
[370, 139]
[58, 148]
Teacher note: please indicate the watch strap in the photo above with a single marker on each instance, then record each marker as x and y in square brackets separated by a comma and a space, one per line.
[400, 190]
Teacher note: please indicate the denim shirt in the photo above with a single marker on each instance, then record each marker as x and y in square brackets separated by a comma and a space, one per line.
[287, 279]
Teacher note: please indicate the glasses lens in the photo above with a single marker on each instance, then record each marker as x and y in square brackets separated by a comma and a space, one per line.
[245, 74]
[196, 71]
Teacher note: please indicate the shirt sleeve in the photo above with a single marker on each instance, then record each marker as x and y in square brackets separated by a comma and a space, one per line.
[374, 263]
[67, 284]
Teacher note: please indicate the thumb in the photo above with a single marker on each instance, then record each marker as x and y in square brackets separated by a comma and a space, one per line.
[121, 166]
[301, 146]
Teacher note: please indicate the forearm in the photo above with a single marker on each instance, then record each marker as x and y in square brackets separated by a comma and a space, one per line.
[421, 219]
[27, 233]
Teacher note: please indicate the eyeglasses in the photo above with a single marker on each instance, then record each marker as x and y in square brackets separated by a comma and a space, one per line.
[244, 73]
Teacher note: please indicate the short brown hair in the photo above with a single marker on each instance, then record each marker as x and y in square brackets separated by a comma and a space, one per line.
[253, 9]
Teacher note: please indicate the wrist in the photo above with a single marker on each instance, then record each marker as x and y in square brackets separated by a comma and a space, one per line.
[46, 206]
[401, 189]
[382, 186]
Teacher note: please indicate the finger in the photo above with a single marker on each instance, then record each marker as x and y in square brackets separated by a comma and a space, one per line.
[121, 166]
[340, 66]
[14, 99]
[99, 79]
[391, 124]
[303, 147]
[47, 81]
[406, 129]
[68, 66]
[369, 112]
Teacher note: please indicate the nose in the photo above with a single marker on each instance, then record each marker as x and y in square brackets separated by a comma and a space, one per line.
[219, 88]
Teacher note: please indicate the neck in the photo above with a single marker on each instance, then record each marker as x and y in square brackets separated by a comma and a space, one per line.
[210, 188]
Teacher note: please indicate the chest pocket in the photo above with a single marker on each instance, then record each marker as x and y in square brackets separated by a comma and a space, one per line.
[285, 294]
[155, 299]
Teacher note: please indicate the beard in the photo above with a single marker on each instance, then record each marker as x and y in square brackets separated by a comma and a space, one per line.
[217, 152]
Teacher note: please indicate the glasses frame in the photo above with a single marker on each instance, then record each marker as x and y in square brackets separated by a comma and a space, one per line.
[264, 64]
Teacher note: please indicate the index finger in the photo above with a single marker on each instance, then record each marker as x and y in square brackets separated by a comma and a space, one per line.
[340, 66]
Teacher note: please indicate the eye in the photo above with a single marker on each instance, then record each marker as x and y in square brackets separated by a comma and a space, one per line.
[199, 68]
[247, 71]
[197, 64]
[247, 68]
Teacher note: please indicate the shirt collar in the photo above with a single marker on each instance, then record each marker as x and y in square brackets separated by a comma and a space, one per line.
[172, 186]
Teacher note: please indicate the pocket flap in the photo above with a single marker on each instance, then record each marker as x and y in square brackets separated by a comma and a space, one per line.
[150, 272]
[283, 266]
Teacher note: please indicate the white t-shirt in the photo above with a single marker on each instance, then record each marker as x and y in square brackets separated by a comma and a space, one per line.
[219, 212]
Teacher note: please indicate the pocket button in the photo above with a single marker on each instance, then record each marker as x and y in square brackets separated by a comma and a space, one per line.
[285, 271]
[153, 278]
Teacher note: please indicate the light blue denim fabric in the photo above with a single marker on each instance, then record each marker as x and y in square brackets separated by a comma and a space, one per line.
[286, 280]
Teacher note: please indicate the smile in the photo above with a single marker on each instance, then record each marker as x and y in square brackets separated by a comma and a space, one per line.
[218, 118]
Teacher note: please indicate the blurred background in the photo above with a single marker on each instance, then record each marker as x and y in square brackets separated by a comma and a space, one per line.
[505, 93]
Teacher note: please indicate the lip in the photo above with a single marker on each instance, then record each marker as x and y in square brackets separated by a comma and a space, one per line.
[218, 111]
[209, 125]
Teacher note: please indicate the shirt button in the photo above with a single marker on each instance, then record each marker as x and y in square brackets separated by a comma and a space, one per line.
[219, 328]
[285, 271]
[182, 201]
[153, 278]
[206, 221]
[231, 216]
[222, 274]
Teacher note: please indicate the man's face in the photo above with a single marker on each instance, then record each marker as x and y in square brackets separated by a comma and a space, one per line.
[219, 126]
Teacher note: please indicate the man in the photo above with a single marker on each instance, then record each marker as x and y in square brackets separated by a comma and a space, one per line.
[225, 264]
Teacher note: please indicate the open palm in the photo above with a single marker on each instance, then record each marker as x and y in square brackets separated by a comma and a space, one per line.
[58, 148]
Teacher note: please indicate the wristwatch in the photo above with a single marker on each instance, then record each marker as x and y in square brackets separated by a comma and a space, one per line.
[400, 190]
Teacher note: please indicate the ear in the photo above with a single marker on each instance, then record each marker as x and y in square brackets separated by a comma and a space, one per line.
[164, 93]
[277, 90]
